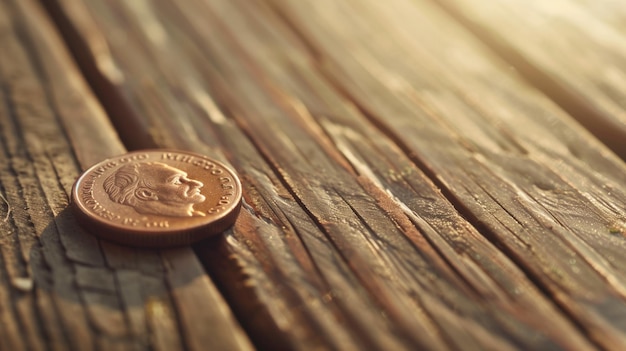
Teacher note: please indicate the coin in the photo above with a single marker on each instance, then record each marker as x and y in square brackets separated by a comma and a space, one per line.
[157, 198]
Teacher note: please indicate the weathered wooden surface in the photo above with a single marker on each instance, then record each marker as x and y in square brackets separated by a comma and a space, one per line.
[60, 288]
[404, 187]
[575, 50]
[344, 120]
[539, 186]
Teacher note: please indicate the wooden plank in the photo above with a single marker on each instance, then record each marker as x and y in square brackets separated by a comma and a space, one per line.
[573, 50]
[284, 304]
[341, 225]
[61, 289]
[513, 162]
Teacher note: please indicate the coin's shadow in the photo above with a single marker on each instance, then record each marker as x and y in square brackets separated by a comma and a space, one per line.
[71, 263]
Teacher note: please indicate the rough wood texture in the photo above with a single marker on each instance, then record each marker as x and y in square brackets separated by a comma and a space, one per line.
[335, 113]
[60, 288]
[541, 188]
[575, 50]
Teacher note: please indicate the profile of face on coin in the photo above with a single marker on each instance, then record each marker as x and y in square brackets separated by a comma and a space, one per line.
[157, 198]
[155, 188]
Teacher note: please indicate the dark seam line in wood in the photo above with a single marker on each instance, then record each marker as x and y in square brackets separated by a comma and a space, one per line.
[565, 98]
[114, 105]
[35, 61]
[418, 299]
[315, 219]
[417, 223]
[118, 113]
[110, 99]
[419, 163]
[342, 307]
[128, 143]
[511, 254]
[255, 338]
[463, 210]
[184, 338]
[311, 215]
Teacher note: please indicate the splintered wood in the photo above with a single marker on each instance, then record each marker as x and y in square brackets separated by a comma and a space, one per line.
[60, 288]
[405, 187]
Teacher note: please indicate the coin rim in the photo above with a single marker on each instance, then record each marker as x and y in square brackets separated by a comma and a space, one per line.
[137, 235]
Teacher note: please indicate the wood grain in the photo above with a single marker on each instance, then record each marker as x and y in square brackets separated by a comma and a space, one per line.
[344, 119]
[62, 289]
[513, 163]
[573, 50]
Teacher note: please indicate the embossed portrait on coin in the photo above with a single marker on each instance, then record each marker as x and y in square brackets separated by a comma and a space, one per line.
[155, 188]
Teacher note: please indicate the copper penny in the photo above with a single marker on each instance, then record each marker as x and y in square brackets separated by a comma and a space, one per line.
[157, 198]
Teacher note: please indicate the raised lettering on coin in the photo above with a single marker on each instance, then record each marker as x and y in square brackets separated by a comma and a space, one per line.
[157, 198]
